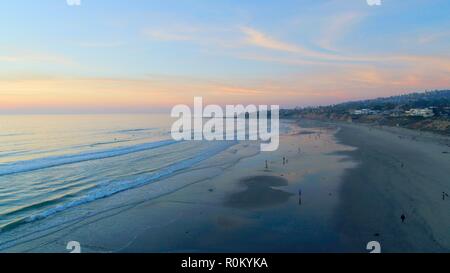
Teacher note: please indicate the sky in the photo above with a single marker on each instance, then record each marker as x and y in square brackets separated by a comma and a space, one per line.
[146, 56]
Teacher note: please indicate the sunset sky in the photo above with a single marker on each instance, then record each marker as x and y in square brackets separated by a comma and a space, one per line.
[147, 56]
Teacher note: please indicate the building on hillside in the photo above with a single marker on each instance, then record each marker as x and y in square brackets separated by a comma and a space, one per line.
[364, 112]
[420, 112]
[393, 113]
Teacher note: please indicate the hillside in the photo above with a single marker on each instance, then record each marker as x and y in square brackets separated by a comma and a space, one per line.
[429, 111]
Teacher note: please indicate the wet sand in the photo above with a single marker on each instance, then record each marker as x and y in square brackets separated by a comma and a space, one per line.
[400, 172]
[260, 192]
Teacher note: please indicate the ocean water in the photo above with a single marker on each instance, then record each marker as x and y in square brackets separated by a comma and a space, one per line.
[52, 163]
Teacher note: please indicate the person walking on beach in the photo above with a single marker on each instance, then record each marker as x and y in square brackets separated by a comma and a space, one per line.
[267, 165]
[300, 196]
[444, 194]
[403, 217]
[284, 160]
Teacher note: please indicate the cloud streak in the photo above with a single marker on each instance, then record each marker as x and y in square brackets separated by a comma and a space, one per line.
[259, 39]
[101, 44]
[336, 27]
[36, 58]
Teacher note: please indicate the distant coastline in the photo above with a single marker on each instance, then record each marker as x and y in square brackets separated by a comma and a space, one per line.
[427, 111]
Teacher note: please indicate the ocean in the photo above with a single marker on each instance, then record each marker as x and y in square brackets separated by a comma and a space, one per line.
[51, 163]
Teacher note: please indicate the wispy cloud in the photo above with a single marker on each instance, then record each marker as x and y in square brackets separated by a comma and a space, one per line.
[161, 35]
[173, 33]
[336, 27]
[232, 90]
[433, 37]
[101, 44]
[260, 39]
[242, 37]
[36, 58]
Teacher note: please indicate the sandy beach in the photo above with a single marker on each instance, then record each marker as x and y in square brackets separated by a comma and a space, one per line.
[400, 172]
[355, 182]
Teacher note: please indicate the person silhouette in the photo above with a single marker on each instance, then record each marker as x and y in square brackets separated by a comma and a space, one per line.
[403, 217]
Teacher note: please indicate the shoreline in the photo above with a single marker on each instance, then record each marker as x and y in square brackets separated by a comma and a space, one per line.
[221, 208]
[355, 181]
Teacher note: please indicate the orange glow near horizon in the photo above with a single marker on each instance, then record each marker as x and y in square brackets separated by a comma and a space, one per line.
[162, 93]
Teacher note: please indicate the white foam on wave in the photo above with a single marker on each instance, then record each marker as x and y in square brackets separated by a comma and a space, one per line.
[104, 190]
[111, 188]
[48, 162]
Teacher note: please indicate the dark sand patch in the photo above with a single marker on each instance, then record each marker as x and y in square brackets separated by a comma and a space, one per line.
[259, 193]
[303, 133]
